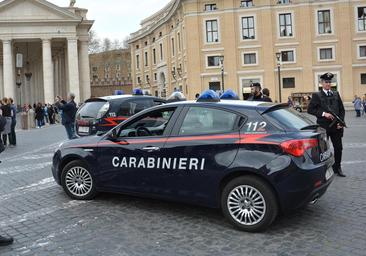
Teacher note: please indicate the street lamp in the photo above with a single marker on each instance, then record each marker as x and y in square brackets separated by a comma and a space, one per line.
[19, 84]
[278, 56]
[222, 73]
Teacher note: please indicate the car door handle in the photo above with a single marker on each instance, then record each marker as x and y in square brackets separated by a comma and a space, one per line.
[151, 149]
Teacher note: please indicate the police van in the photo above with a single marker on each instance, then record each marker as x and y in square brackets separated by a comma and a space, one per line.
[251, 159]
[99, 115]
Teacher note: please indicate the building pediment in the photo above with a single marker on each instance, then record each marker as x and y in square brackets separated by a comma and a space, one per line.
[33, 11]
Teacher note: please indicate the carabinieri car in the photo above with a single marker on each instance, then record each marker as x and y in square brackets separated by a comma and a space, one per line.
[251, 159]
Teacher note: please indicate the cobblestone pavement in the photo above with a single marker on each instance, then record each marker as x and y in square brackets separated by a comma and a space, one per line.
[44, 221]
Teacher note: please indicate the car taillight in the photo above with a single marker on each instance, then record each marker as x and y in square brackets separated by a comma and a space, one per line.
[298, 147]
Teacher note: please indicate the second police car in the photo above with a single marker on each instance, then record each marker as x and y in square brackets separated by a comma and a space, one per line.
[252, 159]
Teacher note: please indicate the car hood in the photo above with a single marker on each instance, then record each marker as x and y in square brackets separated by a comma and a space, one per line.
[81, 142]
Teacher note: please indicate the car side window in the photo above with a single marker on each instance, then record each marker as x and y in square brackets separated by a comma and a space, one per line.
[151, 124]
[201, 120]
[131, 107]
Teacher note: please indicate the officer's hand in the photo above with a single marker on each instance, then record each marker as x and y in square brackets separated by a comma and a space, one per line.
[328, 116]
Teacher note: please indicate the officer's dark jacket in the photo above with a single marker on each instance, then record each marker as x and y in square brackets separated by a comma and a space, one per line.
[259, 97]
[68, 111]
[321, 103]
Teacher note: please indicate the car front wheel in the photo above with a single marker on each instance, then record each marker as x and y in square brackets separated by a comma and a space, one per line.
[249, 204]
[77, 181]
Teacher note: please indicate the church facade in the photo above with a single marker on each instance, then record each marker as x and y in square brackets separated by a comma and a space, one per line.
[44, 51]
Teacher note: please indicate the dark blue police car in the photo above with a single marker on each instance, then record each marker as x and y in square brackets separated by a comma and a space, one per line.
[251, 159]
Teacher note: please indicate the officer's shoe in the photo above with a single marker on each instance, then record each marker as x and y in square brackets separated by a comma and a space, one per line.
[340, 172]
[6, 241]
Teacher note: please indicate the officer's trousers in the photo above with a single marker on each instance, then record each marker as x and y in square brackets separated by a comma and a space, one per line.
[336, 136]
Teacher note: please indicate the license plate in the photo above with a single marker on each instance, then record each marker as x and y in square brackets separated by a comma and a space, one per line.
[329, 174]
[83, 129]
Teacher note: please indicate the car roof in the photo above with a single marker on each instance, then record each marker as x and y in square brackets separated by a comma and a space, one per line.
[227, 103]
[117, 97]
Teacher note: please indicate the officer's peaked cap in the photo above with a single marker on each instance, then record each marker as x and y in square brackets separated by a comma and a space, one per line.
[327, 76]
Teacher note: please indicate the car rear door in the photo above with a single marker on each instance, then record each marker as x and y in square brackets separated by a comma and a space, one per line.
[202, 146]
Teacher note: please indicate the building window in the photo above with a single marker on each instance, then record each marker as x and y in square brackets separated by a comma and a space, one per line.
[147, 79]
[283, 1]
[250, 58]
[326, 54]
[362, 50]
[179, 46]
[213, 61]
[153, 40]
[95, 69]
[212, 31]
[155, 76]
[145, 43]
[118, 67]
[160, 34]
[287, 56]
[139, 80]
[137, 46]
[210, 7]
[361, 15]
[118, 75]
[363, 78]
[324, 22]
[246, 3]
[248, 27]
[288, 82]
[173, 48]
[146, 60]
[161, 52]
[286, 25]
[154, 56]
[138, 61]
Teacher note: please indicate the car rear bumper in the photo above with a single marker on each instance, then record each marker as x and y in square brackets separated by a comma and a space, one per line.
[303, 186]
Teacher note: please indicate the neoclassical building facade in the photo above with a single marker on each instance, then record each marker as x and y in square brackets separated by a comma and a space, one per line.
[194, 45]
[44, 51]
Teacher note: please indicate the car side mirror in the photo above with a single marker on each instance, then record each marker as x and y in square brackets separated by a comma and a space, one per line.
[113, 135]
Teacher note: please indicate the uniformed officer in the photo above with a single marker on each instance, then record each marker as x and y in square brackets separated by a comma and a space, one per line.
[321, 104]
[256, 94]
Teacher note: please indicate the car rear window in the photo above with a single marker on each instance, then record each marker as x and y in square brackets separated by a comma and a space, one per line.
[289, 119]
[90, 109]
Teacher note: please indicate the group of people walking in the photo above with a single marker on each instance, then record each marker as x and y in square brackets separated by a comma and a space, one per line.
[8, 112]
[360, 105]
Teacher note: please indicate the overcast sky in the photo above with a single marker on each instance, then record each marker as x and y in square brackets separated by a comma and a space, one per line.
[116, 19]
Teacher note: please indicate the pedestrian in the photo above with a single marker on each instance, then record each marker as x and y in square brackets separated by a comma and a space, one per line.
[321, 104]
[3, 240]
[290, 102]
[39, 115]
[46, 117]
[7, 113]
[68, 114]
[364, 104]
[357, 103]
[13, 137]
[256, 94]
[266, 94]
[51, 114]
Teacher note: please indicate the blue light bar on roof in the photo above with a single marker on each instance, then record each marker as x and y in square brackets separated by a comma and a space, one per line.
[209, 96]
[137, 91]
[229, 95]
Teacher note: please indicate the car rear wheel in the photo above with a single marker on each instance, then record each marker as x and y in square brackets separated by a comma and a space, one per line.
[249, 204]
[77, 181]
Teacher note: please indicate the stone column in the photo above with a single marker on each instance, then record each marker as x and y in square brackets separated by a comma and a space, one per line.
[9, 81]
[48, 83]
[84, 71]
[1, 82]
[55, 74]
[73, 68]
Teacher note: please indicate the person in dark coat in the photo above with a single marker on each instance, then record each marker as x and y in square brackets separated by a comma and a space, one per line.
[68, 114]
[256, 94]
[266, 94]
[39, 115]
[51, 114]
[320, 106]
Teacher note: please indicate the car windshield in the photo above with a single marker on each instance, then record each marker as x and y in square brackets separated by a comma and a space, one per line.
[289, 119]
[90, 109]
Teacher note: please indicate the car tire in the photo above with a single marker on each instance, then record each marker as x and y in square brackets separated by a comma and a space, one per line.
[249, 204]
[77, 181]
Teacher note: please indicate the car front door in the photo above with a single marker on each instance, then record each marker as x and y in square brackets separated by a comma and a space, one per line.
[203, 144]
[129, 160]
